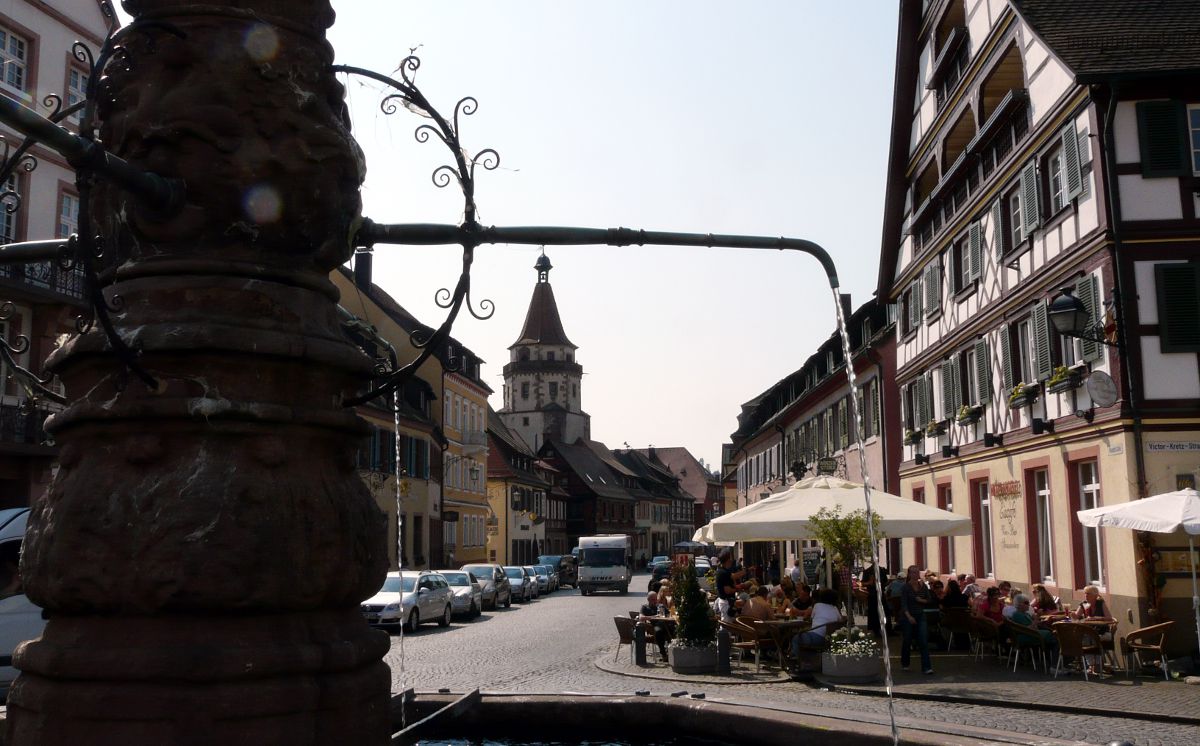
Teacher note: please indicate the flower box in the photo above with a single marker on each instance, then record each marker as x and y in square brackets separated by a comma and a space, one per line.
[912, 437]
[846, 669]
[969, 415]
[1064, 379]
[692, 659]
[934, 429]
[1022, 396]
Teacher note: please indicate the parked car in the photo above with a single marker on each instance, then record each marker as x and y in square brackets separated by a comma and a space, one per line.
[543, 578]
[522, 584]
[20, 618]
[468, 593]
[565, 567]
[533, 578]
[497, 591]
[410, 598]
[660, 571]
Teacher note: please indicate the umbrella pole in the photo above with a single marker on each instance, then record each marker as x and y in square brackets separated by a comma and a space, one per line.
[1195, 595]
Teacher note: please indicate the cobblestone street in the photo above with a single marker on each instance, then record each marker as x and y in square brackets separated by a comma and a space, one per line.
[551, 646]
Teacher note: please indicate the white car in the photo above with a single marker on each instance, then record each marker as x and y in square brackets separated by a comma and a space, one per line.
[468, 593]
[20, 618]
[659, 558]
[410, 598]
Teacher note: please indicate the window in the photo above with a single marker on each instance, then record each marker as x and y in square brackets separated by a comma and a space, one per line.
[919, 543]
[1043, 552]
[1089, 497]
[968, 367]
[550, 356]
[8, 220]
[14, 53]
[1165, 141]
[1025, 353]
[525, 392]
[961, 259]
[553, 390]
[1054, 170]
[945, 543]
[1193, 113]
[983, 529]
[1178, 291]
[1016, 225]
[77, 83]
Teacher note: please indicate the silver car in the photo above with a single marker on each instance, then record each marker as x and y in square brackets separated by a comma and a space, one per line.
[535, 586]
[522, 585]
[497, 591]
[410, 598]
[543, 575]
[468, 594]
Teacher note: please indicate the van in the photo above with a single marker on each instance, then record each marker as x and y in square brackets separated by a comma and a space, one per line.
[564, 564]
[603, 563]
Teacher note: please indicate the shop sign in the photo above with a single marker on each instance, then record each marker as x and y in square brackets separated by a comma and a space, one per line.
[1005, 496]
[1170, 446]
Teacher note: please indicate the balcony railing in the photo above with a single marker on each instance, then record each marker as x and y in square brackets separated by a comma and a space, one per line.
[46, 277]
[20, 426]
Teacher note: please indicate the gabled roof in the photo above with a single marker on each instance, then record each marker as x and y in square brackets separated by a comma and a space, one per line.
[1108, 39]
[500, 431]
[590, 469]
[542, 323]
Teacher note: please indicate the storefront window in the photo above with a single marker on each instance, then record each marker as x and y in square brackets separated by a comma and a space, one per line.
[1089, 497]
[984, 536]
[1045, 543]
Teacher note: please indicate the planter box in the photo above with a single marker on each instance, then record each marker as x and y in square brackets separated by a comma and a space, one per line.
[693, 660]
[914, 437]
[1024, 400]
[839, 669]
[1072, 381]
[936, 431]
[970, 419]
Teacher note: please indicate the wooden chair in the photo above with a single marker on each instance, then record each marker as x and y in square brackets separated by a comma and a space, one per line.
[1146, 640]
[742, 640]
[634, 615]
[1026, 638]
[1076, 640]
[986, 632]
[625, 635]
[957, 622]
[762, 639]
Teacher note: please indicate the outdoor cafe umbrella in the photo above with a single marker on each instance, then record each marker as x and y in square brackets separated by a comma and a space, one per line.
[786, 515]
[1160, 514]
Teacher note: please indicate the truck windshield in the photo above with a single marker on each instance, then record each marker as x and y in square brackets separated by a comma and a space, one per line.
[589, 557]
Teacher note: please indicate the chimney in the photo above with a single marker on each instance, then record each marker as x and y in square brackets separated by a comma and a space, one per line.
[362, 269]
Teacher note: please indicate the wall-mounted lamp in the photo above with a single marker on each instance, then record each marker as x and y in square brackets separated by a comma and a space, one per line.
[991, 440]
[1039, 426]
[921, 458]
[949, 451]
[1072, 319]
[1086, 414]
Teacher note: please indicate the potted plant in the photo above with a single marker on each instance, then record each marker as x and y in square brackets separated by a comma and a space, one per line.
[853, 657]
[1064, 379]
[694, 649]
[912, 437]
[935, 428]
[846, 537]
[969, 414]
[1022, 396]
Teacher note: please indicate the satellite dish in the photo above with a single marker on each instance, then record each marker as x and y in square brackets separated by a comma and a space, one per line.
[1102, 389]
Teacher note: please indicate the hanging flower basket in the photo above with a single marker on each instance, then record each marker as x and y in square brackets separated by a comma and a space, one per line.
[935, 428]
[1064, 379]
[912, 437]
[1022, 396]
[969, 414]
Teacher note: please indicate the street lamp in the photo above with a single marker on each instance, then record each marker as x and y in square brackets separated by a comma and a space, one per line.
[1071, 318]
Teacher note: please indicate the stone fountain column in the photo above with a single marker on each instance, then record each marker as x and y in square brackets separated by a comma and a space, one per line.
[203, 550]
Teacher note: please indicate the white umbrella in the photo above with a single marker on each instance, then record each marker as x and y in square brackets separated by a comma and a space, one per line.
[786, 515]
[1160, 514]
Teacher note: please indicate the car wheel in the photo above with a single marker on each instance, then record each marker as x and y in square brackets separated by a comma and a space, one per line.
[445, 620]
[624, 590]
[508, 601]
[414, 621]
[474, 612]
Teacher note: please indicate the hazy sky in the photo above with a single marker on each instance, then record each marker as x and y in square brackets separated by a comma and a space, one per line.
[766, 118]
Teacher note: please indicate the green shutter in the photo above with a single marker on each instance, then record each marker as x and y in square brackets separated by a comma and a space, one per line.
[948, 388]
[1162, 138]
[1044, 364]
[1178, 288]
[1085, 291]
[1006, 371]
[906, 408]
[983, 372]
[1000, 236]
[1030, 202]
[933, 285]
[922, 404]
[957, 392]
[877, 409]
[1072, 173]
[975, 250]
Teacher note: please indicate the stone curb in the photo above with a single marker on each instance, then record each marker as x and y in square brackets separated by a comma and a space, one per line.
[680, 678]
[1157, 717]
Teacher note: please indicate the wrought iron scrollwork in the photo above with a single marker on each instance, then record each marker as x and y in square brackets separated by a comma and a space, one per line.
[35, 386]
[408, 96]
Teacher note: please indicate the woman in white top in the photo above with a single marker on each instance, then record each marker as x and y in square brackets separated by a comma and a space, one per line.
[824, 611]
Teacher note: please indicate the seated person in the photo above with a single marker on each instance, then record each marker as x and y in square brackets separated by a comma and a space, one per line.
[1010, 604]
[990, 605]
[938, 589]
[1005, 591]
[759, 605]
[1043, 604]
[662, 634]
[970, 588]
[1022, 615]
[1092, 606]
[954, 598]
[802, 606]
[824, 612]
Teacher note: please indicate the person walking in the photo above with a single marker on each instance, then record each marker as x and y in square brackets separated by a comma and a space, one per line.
[798, 572]
[912, 622]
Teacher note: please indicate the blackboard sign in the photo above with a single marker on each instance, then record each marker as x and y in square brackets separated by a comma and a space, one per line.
[812, 563]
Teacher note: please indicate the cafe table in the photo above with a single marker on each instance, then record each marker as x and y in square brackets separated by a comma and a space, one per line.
[782, 631]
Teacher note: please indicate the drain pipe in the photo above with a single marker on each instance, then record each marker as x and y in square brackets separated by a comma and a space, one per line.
[1128, 380]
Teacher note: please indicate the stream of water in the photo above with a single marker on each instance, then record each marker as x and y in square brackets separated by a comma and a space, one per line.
[399, 529]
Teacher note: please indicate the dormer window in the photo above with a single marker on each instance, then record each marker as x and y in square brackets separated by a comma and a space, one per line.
[550, 356]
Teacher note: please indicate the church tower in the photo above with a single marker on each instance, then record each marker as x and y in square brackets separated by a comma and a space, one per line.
[542, 381]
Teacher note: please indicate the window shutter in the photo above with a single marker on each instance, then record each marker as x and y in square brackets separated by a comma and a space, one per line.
[1000, 239]
[930, 411]
[1072, 172]
[1162, 137]
[948, 388]
[983, 373]
[933, 285]
[1178, 306]
[1086, 292]
[1030, 202]
[877, 409]
[1044, 365]
[1006, 372]
[956, 373]
[906, 410]
[975, 250]
[919, 399]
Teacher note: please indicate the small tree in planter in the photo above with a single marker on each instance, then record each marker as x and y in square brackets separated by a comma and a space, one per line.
[845, 535]
[694, 648]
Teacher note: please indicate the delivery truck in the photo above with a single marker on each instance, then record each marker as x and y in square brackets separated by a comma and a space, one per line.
[603, 563]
